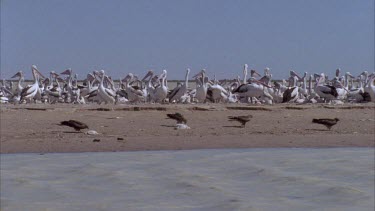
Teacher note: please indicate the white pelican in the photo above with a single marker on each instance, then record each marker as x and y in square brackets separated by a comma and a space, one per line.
[68, 86]
[134, 94]
[370, 87]
[292, 93]
[149, 87]
[180, 91]
[327, 92]
[104, 93]
[161, 91]
[21, 78]
[30, 91]
[252, 89]
[201, 90]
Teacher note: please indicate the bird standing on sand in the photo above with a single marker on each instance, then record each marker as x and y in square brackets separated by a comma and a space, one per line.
[178, 117]
[75, 124]
[326, 122]
[242, 119]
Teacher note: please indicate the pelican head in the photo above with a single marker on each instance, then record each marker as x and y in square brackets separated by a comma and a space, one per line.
[162, 75]
[128, 77]
[349, 74]
[267, 71]
[293, 73]
[338, 70]
[364, 73]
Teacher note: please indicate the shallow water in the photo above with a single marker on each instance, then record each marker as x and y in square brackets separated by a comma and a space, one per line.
[235, 179]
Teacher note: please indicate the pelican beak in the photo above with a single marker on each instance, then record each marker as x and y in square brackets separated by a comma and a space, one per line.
[67, 72]
[295, 74]
[259, 82]
[350, 75]
[127, 78]
[160, 76]
[59, 79]
[254, 72]
[19, 74]
[55, 75]
[200, 74]
[147, 75]
[37, 71]
[90, 77]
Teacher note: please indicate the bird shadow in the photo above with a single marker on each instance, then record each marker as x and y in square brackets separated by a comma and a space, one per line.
[233, 126]
[167, 126]
[318, 129]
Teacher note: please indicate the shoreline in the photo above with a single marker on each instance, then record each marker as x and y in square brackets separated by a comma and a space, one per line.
[35, 129]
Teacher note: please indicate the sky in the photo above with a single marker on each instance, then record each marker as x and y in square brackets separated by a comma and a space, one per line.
[122, 36]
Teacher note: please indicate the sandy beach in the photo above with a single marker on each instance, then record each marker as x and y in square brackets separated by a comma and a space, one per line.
[35, 128]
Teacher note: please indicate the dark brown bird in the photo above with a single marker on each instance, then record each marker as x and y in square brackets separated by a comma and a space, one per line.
[326, 122]
[178, 117]
[75, 124]
[242, 119]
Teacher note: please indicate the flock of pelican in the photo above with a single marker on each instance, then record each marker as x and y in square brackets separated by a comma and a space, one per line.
[153, 88]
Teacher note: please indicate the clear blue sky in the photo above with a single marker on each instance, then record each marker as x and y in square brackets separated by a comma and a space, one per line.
[123, 36]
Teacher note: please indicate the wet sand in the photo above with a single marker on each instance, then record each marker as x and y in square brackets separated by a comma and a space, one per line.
[34, 128]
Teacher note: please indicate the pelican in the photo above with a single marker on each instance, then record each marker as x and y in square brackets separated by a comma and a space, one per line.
[161, 91]
[68, 86]
[134, 94]
[21, 78]
[105, 94]
[4, 95]
[216, 92]
[149, 87]
[292, 93]
[370, 87]
[252, 89]
[30, 91]
[180, 91]
[327, 92]
[201, 90]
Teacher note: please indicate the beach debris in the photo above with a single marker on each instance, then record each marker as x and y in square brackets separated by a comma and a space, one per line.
[242, 119]
[96, 140]
[182, 127]
[120, 139]
[77, 125]
[178, 117]
[326, 122]
[92, 132]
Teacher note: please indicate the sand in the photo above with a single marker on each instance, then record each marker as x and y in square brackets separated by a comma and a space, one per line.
[35, 128]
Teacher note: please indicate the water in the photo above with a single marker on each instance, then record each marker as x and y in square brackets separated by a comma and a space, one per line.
[235, 179]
